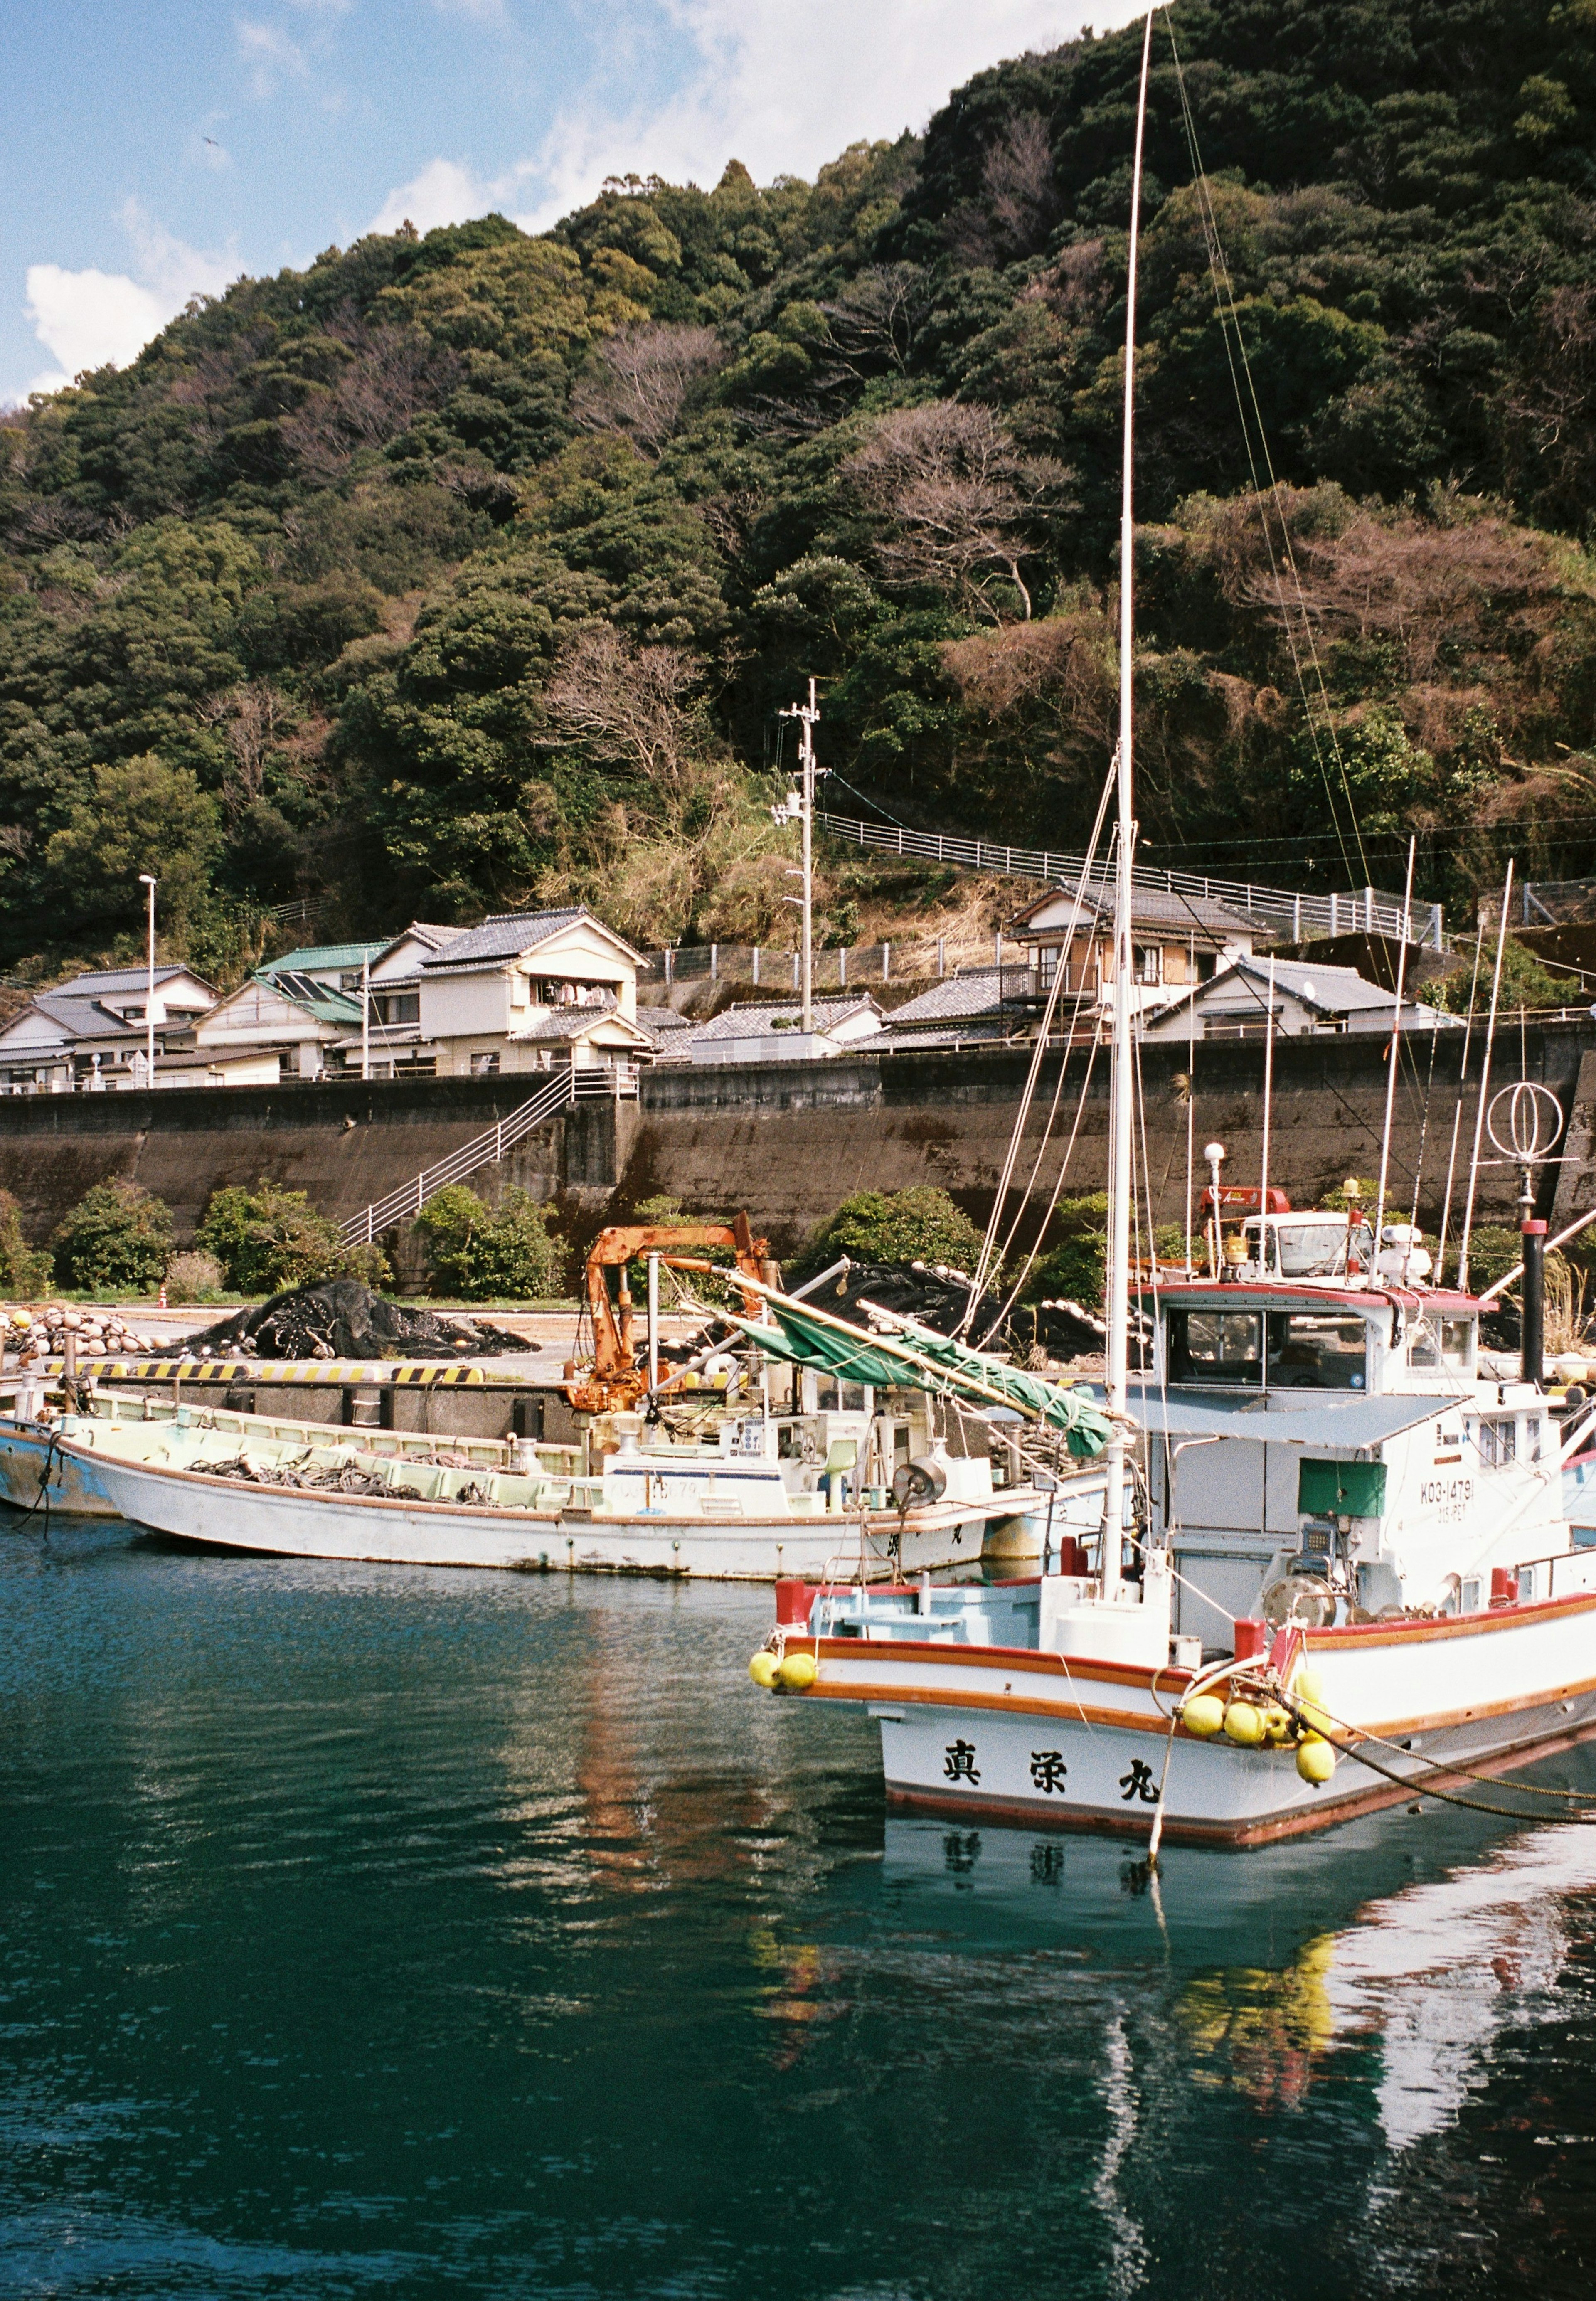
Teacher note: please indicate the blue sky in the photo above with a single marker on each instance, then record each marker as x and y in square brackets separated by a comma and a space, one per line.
[158, 149]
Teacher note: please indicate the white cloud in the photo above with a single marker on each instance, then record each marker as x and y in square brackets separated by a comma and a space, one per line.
[482, 12]
[784, 87]
[90, 318]
[443, 192]
[270, 56]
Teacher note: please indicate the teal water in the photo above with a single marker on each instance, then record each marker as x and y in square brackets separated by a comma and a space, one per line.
[377, 1932]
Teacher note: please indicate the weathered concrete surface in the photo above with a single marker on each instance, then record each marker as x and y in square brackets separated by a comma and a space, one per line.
[346, 1145]
[790, 1140]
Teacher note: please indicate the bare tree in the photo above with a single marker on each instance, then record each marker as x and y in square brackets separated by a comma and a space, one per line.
[1020, 202]
[394, 374]
[956, 496]
[640, 382]
[628, 705]
[875, 321]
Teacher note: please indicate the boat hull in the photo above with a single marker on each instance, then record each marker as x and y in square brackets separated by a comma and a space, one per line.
[76, 1488]
[231, 1514]
[1018, 1737]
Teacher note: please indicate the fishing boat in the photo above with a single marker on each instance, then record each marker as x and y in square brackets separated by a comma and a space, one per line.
[840, 1482]
[1333, 1566]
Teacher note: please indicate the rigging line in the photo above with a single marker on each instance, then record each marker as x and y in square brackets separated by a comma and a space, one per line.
[1026, 1266]
[1047, 1135]
[1452, 1164]
[1424, 1126]
[1221, 274]
[985, 1260]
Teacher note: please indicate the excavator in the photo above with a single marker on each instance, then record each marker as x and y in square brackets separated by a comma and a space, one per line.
[615, 1380]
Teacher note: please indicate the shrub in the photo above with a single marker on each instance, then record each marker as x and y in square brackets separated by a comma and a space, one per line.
[919, 1225]
[480, 1253]
[117, 1235]
[193, 1277]
[24, 1273]
[269, 1238]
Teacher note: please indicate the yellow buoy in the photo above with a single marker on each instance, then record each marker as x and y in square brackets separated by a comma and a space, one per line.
[1277, 1723]
[1244, 1724]
[761, 1669]
[797, 1671]
[1315, 1761]
[1203, 1715]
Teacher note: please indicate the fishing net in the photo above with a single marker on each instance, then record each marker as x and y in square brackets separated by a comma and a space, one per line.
[341, 1318]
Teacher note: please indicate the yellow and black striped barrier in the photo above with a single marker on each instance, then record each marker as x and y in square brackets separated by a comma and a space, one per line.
[258, 1370]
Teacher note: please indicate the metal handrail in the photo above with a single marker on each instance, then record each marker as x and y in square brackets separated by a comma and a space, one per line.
[564, 1089]
[1362, 911]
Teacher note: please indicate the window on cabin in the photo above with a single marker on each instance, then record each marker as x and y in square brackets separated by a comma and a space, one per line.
[1215, 1346]
[1317, 1349]
[1456, 1344]
[1424, 1344]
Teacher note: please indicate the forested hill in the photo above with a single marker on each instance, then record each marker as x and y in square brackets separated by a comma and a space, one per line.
[469, 569]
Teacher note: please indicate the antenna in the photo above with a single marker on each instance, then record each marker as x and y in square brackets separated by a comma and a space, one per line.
[1268, 1098]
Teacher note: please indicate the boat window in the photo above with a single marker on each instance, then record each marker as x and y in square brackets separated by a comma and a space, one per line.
[1315, 1247]
[1215, 1346]
[1424, 1344]
[1457, 1342]
[1314, 1350]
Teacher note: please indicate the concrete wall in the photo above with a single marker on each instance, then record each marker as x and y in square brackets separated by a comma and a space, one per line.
[789, 1142]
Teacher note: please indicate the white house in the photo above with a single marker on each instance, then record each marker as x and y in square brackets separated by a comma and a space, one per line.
[775, 1035]
[294, 1017]
[93, 1031]
[1307, 998]
[395, 1045]
[531, 990]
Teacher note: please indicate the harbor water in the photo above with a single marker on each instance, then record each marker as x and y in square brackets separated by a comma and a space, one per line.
[370, 1931]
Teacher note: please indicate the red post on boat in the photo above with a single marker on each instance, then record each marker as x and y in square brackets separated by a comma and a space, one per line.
[792, 1605]
[1535, 1299]
[1504, 1585]
[1252, 1638]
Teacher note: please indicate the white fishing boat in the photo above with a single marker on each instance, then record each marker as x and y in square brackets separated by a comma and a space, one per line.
[1349, 1574]
[755, 1495]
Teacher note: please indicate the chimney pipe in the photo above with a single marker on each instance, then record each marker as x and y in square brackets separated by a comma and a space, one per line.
[1534, 1300]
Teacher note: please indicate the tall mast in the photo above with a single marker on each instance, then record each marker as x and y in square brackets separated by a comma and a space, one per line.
[1122, 1110]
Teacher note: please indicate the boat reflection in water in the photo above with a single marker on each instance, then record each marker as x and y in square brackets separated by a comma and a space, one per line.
[1429, 1973]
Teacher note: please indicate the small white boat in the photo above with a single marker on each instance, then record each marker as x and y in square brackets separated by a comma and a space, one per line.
[756, 1498]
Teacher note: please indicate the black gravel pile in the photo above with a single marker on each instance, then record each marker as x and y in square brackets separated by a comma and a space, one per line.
[937, 1297]
[340, 1319]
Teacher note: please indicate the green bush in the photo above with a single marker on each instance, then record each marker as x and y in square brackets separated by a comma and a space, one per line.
[24, 1275]
[270, 1238]
[919, 1225]
[477, 1253]
[117, 1235]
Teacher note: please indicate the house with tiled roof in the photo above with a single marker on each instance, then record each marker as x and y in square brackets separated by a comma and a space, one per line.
[776, 1035]
[980, 1006]
[530, 991]
[1289, 997]
[92, 1031]
[1177, 942]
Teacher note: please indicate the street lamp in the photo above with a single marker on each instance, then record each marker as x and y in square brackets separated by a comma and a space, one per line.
[145, 880]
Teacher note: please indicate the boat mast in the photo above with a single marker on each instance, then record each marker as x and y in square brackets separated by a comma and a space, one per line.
[1122, 1111]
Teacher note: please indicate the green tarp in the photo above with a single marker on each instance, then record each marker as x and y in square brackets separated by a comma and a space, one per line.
[919, 1361]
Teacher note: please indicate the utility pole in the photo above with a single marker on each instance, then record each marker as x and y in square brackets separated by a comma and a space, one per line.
[801, 804]
[145, 880]
[366, 1016]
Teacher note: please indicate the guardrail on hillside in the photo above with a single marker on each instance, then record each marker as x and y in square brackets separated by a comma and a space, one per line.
[578, 1084]
[1297, 918]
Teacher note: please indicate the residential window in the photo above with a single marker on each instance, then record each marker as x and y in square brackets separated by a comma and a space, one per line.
[1150, 963]
[399, 1006]
[484, 1065]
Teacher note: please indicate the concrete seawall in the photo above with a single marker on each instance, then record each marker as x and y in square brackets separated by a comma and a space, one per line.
[790, 1140]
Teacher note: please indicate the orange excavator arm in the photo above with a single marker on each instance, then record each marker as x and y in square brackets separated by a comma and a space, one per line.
[616, 1381]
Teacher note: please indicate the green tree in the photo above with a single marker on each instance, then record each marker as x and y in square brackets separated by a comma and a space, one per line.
[270, 1238]
[139, 814]
[24, 1273]
[478, 1253]
[117, 1235]
[921, 1224]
